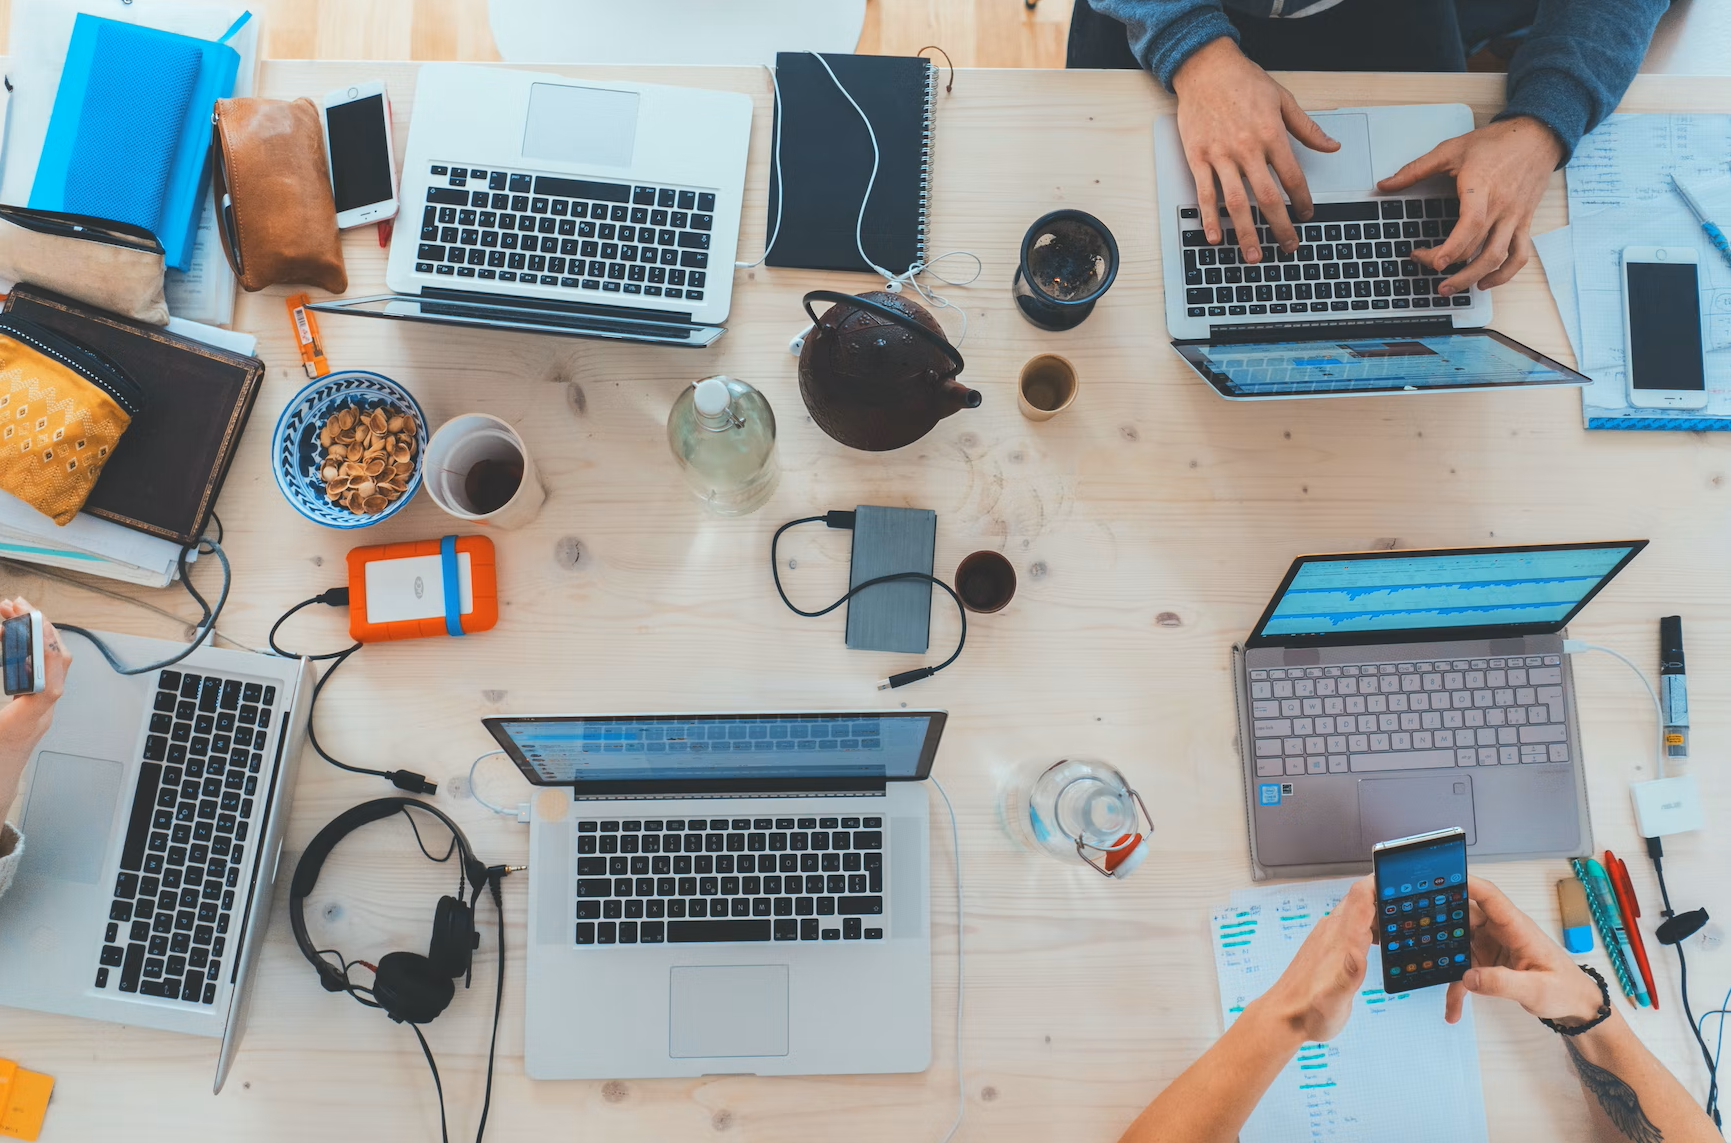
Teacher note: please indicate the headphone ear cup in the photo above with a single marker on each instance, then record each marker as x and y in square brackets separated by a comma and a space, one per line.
[454, 937]
[410, 987]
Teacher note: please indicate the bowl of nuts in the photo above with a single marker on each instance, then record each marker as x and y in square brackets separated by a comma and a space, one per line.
[347, 449]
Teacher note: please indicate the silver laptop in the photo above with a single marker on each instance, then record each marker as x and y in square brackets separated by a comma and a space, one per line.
[153, 827]
[1349, 311]
[554, 205]
[1385, 694]
[721, 893]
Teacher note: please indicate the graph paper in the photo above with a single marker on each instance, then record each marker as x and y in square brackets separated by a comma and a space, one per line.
[1397, 1065]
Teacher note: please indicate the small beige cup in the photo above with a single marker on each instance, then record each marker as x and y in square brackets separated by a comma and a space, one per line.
[465, 441]
[1047, 387]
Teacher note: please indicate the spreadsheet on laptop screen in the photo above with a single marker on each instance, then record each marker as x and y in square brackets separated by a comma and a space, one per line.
[1447, 360]
[1466, 589]
[649, 748]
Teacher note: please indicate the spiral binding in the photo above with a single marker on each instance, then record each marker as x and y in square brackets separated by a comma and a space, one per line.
[926, 159]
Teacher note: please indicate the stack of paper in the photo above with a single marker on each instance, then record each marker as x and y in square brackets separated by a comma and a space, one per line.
[1620, 195]
[40, 33]
[1359, 1085]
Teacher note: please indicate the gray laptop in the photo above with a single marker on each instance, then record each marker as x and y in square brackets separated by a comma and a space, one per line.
[1384, 694]
[153, 827]
[722, 893]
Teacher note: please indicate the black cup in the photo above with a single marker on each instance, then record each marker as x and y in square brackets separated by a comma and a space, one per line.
[986, 582]
[1069, 259]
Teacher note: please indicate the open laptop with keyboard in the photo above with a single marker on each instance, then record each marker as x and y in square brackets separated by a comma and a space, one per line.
[1384, 694]
[153, 826]
[1350, 310]
[722, 892]
[555, 205]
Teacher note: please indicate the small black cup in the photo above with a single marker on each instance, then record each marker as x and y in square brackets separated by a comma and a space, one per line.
[1069, 259]
[986, 582]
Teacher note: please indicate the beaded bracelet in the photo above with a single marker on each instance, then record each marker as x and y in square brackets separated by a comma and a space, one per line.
[1600, 1017]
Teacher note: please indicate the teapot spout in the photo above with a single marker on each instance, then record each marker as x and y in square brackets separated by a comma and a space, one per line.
[957, 396]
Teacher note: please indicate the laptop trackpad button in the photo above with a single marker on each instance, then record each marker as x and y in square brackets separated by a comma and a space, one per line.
[728, 1010]
[67, 823]
[1400, 807]
[1343, 171]
[587, 125]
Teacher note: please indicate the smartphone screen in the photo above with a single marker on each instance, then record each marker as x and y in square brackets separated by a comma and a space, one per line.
[360, 156]
[1665, 327]
[18, 639]
[1421, 892]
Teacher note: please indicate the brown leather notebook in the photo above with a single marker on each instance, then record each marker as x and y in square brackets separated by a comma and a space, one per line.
[167, 471]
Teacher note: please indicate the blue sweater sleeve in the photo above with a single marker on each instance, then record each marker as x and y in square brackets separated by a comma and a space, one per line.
[1164, 33]
[1577, 61]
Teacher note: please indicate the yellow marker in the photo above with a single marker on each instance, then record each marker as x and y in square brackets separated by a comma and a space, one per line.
[307, 337]
[23, 1100]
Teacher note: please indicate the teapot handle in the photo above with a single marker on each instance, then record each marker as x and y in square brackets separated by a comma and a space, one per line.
[885, 312]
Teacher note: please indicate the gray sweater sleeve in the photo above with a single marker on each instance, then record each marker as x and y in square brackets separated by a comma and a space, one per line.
[1164, 33]
[11, 850]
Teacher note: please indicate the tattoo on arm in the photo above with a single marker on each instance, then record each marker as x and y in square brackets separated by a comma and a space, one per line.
[1618, 1100]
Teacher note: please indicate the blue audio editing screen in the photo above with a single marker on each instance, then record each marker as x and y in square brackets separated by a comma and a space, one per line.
[1466, 589]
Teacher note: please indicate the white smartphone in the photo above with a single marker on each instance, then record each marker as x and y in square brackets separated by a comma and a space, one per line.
[22, 639]
[1662, 328]
[357, 121]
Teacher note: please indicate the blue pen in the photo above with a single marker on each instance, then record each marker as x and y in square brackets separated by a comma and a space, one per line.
[1599, 884]
[1714, 234]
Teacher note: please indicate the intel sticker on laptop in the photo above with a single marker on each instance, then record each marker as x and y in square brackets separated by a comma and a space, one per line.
[1269, 793]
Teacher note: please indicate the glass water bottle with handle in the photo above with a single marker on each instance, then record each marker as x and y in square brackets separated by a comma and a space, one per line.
[722, 433]
[1080, 808]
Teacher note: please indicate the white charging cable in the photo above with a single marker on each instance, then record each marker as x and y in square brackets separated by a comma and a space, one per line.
[520, 814]
[1574, 646]
[961, 976]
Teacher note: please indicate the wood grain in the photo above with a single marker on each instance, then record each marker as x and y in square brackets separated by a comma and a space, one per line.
[1148, 525]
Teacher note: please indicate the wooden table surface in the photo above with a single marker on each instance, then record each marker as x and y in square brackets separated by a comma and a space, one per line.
[1148, 525]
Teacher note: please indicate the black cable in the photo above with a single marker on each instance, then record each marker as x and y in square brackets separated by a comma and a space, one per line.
[1656, 851]
[206, 624]
[495, 874]
[444, 1132]
[408, 780]
[841, 519]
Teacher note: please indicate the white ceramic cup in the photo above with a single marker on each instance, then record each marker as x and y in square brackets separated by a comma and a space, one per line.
[462, 443]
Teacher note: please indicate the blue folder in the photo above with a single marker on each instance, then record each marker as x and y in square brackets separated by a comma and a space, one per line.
[129, 137]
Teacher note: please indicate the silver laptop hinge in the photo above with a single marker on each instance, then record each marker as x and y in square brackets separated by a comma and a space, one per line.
[1383, 326]
[726, 797]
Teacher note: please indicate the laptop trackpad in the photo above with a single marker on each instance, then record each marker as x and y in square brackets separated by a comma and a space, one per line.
[728, 1010]
[587, 125]
[1345, 170]
[1400, 807]
[68, 821]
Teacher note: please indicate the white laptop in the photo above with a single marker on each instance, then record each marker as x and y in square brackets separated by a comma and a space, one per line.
[1349, 311]
[555, 205]
[153, 828]
[722, 893]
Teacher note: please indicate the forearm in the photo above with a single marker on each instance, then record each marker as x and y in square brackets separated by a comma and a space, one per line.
[1573, 67]
[1165, 33]
[1213, 1097]
[1631, 1096]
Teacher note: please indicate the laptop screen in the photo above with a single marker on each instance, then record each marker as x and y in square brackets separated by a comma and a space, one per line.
[1328, 365]
[1460, 593]
[716, 753]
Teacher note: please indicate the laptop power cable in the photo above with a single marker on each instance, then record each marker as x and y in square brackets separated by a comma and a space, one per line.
[845, 519]
[407, 780]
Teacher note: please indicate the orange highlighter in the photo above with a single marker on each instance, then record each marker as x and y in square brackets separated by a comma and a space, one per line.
[1625, 890]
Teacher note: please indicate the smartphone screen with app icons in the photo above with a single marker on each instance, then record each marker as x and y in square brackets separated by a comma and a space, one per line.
[1421, 915]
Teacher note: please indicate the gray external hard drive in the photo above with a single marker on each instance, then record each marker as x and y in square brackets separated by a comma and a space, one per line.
[891, 616]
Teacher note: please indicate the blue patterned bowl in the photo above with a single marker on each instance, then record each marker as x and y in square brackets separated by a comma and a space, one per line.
[296, 453]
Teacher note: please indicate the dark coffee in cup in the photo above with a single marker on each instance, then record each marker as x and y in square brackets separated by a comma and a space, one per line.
[491, 483]
[986, 581]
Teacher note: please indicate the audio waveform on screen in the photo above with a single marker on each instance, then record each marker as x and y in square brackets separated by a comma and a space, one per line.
[1356, 592]
[1338, 618]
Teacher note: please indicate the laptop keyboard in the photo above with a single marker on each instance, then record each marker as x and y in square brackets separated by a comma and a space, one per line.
[1351, 256]
[1409, 716]
[185, 845]
[582, 235]
[729, 879]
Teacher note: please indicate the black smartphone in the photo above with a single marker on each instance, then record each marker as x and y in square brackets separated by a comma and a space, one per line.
[1421, 915]
[21, 640]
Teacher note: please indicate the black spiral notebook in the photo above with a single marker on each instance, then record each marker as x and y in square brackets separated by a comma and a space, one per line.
[826, 161]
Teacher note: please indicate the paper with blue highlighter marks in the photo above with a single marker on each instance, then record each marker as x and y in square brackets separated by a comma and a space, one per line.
[1358, 1085]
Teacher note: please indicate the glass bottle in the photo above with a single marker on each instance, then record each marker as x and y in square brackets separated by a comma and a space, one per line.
[722, 433]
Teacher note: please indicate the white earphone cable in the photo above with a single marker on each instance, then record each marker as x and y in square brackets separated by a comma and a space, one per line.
[961, 976]
[477, 793]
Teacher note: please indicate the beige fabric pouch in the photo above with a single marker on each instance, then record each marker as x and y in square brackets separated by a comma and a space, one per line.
[111, 265]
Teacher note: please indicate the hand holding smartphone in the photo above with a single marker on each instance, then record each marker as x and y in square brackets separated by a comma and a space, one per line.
[1663, 349]
[1422, 922]
[357, 122]
[21, 641]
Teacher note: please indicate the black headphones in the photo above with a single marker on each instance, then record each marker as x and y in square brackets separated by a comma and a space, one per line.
[408, 986]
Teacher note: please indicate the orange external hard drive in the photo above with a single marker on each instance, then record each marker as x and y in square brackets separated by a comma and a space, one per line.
[446, 586]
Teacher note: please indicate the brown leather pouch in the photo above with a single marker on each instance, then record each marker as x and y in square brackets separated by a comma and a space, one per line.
[273, 194]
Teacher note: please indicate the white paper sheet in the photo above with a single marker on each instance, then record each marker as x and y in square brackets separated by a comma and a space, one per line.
[1359, 1085]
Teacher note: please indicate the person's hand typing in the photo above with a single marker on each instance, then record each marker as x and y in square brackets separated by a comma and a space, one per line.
[26, 718]
[1234, 121]
[1314, 995]
[1515, 959]
[1500, 172]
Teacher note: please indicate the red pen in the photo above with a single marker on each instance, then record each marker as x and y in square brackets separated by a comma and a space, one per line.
[1625, 890]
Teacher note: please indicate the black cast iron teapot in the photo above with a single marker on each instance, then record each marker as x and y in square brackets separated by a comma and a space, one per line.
[877, 372]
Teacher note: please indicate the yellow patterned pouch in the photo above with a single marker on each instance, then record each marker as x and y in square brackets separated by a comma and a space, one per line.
[63, 408]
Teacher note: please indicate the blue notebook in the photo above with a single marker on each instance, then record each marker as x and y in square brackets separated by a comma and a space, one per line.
[129, 137]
